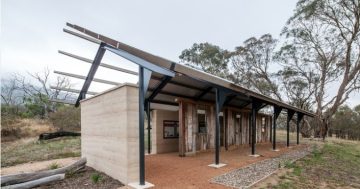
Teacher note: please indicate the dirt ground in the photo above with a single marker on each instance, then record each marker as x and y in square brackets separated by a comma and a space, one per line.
[76, 181]
[37, 166]
[171, 171]
[83, 180]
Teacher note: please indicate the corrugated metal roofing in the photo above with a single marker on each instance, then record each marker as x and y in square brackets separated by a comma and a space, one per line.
[195, 81]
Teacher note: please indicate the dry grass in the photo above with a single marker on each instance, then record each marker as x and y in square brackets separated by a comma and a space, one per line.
[30, 149]
[24, 128]
[334, 163]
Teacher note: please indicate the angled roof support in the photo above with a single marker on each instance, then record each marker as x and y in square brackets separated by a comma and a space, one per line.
[203, 93]
[161, 85]
[290, 114]
[97, 60]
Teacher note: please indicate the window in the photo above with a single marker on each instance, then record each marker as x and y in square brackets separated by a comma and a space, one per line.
[171, 129]
[263, 124]
[202, 121]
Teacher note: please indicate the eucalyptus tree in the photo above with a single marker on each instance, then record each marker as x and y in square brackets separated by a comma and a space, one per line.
[323, 38]
[208, 58]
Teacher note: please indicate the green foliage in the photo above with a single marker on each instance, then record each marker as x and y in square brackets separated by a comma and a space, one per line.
[251, 63]
[54, 165]
[346, 121]
[96, 177]
[208, 58]
[66, 118]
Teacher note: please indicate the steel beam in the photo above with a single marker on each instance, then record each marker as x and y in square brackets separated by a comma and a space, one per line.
[94, 66]
[256, 105]
[219, 102]
[299, 118]
[158, 88]
[277, 111]
[203, 93]
[290, 114]
[148, 125]
[141, 62]
[144, 77]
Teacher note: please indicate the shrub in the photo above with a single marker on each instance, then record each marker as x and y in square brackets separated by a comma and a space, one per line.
[54, 165]
[95, 177]
[66, 118]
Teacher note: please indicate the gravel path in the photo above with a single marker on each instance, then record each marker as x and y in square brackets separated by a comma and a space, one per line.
[249, 175]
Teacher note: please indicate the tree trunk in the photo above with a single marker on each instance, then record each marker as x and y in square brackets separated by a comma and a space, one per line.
[25, 177]
[37, 182]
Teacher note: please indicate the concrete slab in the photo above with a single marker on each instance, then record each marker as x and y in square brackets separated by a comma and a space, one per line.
[276, 150]
[217, 165]
[136, 185]
[255, 155]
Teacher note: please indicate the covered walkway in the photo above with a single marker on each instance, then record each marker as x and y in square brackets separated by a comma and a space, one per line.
[171, 171]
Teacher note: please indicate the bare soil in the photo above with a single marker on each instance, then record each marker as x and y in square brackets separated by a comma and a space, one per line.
[83, 180]
[37, 166]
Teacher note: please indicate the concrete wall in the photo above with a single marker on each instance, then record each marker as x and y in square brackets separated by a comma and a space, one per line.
[109, 133]
[159, 144]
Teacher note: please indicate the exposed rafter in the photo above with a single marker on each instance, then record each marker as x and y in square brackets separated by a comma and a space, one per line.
[84, 77]
[101, 64]
[72, 90]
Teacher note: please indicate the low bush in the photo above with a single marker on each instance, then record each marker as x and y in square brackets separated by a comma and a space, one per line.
[66, 118]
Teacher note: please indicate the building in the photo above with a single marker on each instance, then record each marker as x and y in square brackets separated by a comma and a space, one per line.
[191, 111]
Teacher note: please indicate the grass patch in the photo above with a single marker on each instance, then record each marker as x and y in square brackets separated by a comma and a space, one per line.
[33, 150]
[335, 165]
[95, 178]
[54, 166]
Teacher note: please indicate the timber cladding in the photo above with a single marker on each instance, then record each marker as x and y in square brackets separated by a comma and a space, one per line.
[234, 127]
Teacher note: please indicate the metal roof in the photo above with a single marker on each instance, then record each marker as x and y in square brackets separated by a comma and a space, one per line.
[188, 82]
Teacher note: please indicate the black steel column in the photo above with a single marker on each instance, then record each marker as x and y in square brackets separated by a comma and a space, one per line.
[148, 126]
[299, 118]
[217, 129]
[253, 127]
[271, 132]
[277, 111]
[250, 122]
[254, 109]
[290, 113]
[220, 100]
[141, 126]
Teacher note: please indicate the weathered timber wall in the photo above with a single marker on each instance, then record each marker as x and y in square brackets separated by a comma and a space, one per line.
[236, 130]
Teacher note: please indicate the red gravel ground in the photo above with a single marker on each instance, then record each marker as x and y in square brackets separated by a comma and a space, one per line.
[171, 171]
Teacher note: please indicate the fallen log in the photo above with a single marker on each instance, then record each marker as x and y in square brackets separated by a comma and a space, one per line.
[47, 136]
[25, 177]
[38, 182]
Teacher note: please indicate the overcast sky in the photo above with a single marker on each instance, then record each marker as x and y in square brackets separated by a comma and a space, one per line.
[32, 30]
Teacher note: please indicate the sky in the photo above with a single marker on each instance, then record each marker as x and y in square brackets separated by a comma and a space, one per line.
[31, 31]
